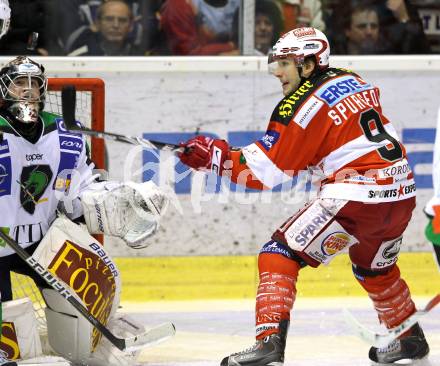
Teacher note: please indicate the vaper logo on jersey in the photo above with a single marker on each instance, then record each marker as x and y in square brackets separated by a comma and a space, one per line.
[32, 157]
[91, 279]
[9, 342]
[335, 242]
[5, 230]
[269, 139]
[286, 106]
[34, 180]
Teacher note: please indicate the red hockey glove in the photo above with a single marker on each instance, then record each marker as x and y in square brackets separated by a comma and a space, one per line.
[205, 153]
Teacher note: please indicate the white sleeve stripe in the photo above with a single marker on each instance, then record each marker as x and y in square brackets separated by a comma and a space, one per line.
[70, 151]
[263, 168]
[353, 150]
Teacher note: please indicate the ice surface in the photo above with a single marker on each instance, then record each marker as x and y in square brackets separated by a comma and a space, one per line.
[207, 331]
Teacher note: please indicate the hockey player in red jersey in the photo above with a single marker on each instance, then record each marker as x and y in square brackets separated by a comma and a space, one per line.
[330, 120]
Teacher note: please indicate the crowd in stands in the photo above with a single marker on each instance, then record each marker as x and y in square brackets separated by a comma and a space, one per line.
[212, 27]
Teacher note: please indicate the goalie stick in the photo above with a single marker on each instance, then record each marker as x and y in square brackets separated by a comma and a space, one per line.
[152, 336]
[381, 340]
[68, 102]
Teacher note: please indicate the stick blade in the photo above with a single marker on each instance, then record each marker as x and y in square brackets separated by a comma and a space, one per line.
[150, 337]
[68, 105]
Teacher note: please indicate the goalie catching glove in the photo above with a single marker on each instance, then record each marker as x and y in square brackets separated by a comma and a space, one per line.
[205, 153]
[127, 210]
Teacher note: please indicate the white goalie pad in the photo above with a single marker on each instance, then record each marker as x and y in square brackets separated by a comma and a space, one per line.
[70, 253]
[20, 338]
[131, 211]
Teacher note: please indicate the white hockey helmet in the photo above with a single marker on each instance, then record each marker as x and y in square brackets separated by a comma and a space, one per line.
[300, 43]
[5, 17]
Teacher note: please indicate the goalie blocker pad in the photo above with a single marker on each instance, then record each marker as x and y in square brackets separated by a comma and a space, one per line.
[128, 210]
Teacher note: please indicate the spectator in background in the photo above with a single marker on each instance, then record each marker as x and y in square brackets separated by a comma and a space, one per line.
[111, 38]
[302, 13]
[29, 16]
[77, 15]
[360, 34]
[268, 25]
[398, 28]
[403, 27]
[429, 13]
[200, 27]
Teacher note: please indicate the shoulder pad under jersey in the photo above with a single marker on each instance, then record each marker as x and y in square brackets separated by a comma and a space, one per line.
[287, 107]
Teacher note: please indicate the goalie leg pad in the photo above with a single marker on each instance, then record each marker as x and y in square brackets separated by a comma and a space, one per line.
[69, 332]
[390, 295]
[20, 338]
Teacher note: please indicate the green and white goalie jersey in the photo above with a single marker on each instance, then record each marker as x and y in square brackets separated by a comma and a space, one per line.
[37, 179]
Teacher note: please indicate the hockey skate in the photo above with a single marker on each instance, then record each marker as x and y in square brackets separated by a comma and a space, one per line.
[410, 346]
[4, 361]
[265, 352]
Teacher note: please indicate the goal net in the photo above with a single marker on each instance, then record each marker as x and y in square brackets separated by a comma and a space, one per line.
[90, 106]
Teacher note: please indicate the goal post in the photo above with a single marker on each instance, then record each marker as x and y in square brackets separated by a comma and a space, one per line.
[90, 108]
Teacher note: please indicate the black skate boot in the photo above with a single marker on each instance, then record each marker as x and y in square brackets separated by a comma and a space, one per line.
[265, 352]
[410, 346]
[4, 360]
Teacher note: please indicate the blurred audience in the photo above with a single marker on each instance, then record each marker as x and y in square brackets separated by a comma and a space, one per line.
[403, 27]
[377, 27]
[109, 35]
[302, 13]
[211, 27]
[29, 16]
[200, 27]
[361, 33]
[429, 13]
[268, 25]
[77, 15]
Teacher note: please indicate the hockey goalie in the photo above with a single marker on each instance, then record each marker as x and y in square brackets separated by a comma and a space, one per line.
[50, 203]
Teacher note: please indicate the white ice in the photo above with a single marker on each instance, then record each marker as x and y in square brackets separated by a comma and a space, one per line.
[209, 330]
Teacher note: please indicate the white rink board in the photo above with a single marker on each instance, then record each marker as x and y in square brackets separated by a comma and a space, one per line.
[224, 96]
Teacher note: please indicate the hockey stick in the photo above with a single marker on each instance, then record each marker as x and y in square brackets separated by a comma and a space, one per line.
[68, 102]
[381, 340]
[154, 335]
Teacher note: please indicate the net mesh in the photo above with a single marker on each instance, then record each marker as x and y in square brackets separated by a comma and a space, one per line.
[23, 286]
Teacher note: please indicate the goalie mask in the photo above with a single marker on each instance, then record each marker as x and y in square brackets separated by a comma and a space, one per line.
[23, 87]
[299, 44]
[5, 17]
